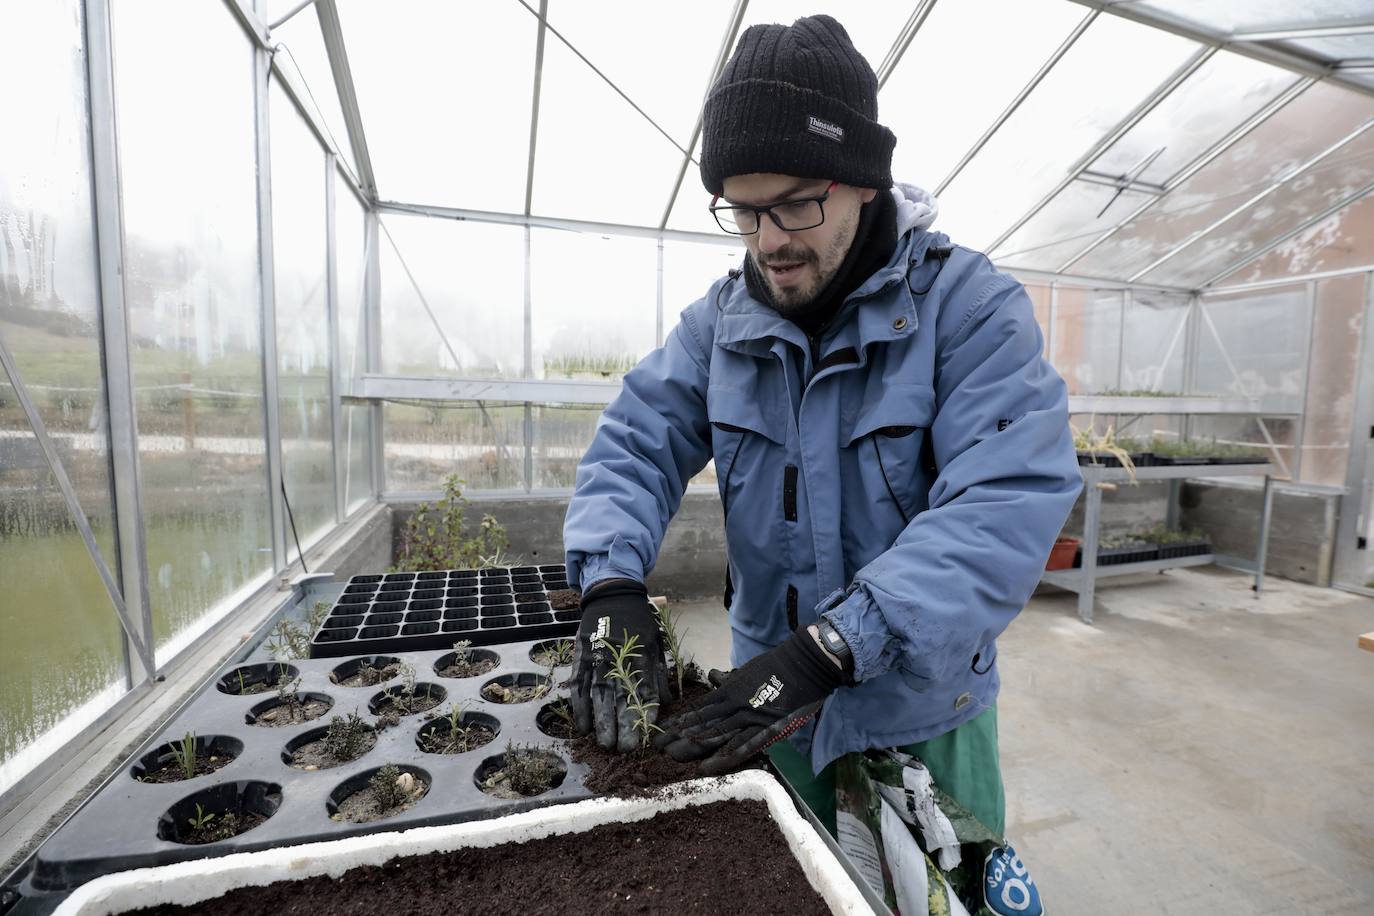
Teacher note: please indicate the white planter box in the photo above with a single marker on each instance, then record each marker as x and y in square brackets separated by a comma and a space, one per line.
[202, 879]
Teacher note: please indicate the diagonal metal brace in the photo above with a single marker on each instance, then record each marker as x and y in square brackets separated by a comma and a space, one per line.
[83, 524]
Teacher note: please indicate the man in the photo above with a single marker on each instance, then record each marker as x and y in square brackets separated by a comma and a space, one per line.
[892, 451]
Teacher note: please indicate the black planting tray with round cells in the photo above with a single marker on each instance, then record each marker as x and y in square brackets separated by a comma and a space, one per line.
[407, 611]
[129, 823]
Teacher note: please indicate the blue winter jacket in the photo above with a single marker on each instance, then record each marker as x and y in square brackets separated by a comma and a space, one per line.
[907, 479]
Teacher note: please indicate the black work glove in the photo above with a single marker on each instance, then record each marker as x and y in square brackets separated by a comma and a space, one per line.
[613, 612]
[762, 702]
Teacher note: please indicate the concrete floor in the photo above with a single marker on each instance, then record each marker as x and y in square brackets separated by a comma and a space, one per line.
[1195, 751]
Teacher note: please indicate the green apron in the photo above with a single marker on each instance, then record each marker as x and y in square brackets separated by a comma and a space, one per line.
[964, 763]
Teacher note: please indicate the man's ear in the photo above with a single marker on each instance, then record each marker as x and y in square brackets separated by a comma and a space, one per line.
[867, 194]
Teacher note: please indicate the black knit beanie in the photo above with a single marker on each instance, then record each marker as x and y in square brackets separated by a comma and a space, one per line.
[796, 100]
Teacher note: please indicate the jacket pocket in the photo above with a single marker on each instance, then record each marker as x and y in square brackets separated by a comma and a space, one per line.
[735, 417]
[895, 430]
[984, 657]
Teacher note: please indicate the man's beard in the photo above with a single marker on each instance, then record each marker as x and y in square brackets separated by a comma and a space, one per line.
[794, 302]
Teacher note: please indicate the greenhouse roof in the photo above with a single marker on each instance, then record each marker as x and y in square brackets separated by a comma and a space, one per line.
[1162, 142]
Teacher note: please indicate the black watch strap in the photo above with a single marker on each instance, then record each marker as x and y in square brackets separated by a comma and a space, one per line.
[834, 644]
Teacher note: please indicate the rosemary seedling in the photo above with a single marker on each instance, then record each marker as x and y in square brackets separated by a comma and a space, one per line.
[201, 819]
[631, 681]
[668, 623]
[346, 737]
[185, 753]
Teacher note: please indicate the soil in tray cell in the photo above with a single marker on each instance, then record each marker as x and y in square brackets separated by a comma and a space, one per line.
[521, 772]
[219, 812]
[457, 732]
[254, 679]
[565, 599]
[366, 672]
[516, 688]
[465, 661]
[552, 653]
[675, 862]
[294, 709]
[391, 705]
[556, 719]
[169, 763]
[377, 794]
[345, 739]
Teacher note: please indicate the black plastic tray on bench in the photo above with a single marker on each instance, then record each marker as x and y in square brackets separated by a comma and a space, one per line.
[400, 612]
[118, 828]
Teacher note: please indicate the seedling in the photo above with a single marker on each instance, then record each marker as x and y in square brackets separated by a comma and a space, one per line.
[433, 537]
[668, 623]
[631, 680]
[1086, 440]
[392, 788]
[525, 769]
[555, 655]
[202, 818]
[290, 639]
[466, 662]
[185, 753]
[459, 737]
[243, 688]
[346, 737]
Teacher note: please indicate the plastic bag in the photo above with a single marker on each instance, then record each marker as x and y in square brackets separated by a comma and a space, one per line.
[927, 853]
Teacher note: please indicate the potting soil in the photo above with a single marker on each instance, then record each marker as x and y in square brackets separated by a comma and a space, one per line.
[722, 858]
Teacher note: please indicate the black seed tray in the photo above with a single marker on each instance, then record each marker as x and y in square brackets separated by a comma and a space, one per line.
[404, 612]
[124, 824]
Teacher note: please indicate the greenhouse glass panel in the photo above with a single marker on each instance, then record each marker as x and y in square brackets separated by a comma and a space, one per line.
[1339, 176]
[191, 249]
[1330, 401]
[1227, 16]
[1072, 109]
[472, 277]
[1152, 353]
[1087, 339]
[1067, 224]
[299, 174]
[689, 270]
[303, 51]
[1040, 302]
[431, 139]
[1225, 91]
[593, 303]
[351, 282]
[1343, 240]
[562, 434]
[483, 443]
[1320, 117]
[872, 26]
[1343, 47]
[1254, 346]
[1027, 34]
[62, 658]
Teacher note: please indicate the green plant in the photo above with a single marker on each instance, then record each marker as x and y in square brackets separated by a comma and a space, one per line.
[525, 769]
[466, 663]
[291, 639]
[392, 788]
[346, 737]
[434, 537]
[668, 623]
[459, 737]
[287, 696]
[630, 679]
[243, 688]
[185, 753]
[1164, 535]
[202, 818]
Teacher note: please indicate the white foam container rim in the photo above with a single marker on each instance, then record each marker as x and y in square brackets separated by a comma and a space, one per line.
[202, 879]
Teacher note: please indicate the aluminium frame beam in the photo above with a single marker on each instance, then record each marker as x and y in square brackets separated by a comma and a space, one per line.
[334, 47]
[121, 405]
[904, 39]
[1296, 231]
[727, 43]
[1242, 130]
[1138, 114]
[1305, 32]
[1273, 186]
[534, 103]
[1279, 56]
[1021, 97]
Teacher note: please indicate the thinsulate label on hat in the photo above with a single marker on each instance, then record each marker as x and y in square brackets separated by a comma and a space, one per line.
[825, 128]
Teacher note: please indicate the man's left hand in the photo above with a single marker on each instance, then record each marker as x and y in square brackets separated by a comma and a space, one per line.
[764, 701]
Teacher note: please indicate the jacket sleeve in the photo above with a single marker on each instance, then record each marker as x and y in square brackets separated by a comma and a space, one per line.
[960, 571]
[650, 441]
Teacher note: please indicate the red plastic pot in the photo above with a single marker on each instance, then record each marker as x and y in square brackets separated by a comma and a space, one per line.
[1062, 554]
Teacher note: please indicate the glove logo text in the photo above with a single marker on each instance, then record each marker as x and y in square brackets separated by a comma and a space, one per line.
[769, 691]
[603, 629]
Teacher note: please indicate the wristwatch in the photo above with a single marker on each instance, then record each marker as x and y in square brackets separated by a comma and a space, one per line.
[834, 644]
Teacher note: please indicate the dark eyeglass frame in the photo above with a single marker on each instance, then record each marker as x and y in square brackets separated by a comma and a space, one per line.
[760, 212]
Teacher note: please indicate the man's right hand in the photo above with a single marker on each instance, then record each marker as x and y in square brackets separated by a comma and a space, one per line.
[613, 612]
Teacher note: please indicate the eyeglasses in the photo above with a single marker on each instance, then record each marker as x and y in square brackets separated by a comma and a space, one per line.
[789, 216]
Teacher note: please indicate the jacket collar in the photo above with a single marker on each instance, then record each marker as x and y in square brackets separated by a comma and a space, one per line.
[881, 309]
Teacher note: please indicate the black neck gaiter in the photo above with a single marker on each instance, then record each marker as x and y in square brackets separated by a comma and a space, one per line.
[874, 241]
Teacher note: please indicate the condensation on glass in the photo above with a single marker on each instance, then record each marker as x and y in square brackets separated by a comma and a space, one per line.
[1087, 339]
[481, 442]
[1329, 403]
[188, 164]
[350, 231]
[61, 658]
[299, 175]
